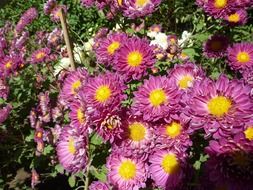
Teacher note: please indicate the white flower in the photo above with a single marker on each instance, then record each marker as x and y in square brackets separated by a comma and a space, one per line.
[152, 34]
[88, 45]
[161, 39]
[184, 38]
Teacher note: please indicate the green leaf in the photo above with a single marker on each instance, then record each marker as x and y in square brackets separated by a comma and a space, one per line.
[96, 139]
[59, 168]
[100, 174]
[47, 149]
[72, 181]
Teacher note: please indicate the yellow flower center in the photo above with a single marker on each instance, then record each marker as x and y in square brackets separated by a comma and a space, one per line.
[137, 131]
[103, 93]
[8, 64]
[134, 58]
[219, 106]
[80, 115]
[216, 45]
[75, 86]
[40, 55]
[157, 97]
[127, 170]
[39, 134]
[249, 133]
[141, 3]
[113, 47]
[120, 2]
[185, 81]
[170, 164]
[173, 130]
[71, 145]
[234, 18]
[243, 57]
[219, 4]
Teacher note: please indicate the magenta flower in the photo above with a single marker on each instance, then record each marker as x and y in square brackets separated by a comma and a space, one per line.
[26, 19]
[55, 14]
[109, 46]
[9, 65]
[49, 6]
[216, 46]
[4, 113]
[40, 55]
[157, 98]
[4, 89]
[98, 185]
[240, 56]
[126, 173]
[55, 37]
[133, 58]
[71, 149]
[238, 17]
[219, 107]
[39, 135]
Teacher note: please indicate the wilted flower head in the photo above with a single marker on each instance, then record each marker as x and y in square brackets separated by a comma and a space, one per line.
[49, 6]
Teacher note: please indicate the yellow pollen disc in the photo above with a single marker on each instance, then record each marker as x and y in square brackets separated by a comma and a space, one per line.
[173, 130]
[243, 57]
[40, 55]
[185, 81]
[110, 127]
[113, 47]
[241, 159]
[71, 145]
[103, 93]
[39, 134]
[219, 4]
[80, 115]
[234, 18]
[216, 45]
[249, 133]
[134, 58]
[157, 97]
[219, 106]
[170, 164]
[75, 86]
[141, 3]
[127, 170]
[120, 2]
[137, 131]
[8, 64]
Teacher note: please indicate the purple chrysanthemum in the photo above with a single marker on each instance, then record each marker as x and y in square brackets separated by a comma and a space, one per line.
[126, 173]
[248, 77]
[139, 8]
[4, 89]
[166, 168]
[138, 139]
[156, 98]
[238, 17]
[72, 85]
[26, 19]
[109, 46]
[20, 42]
[4, 113]
[39, 134]
[55, 37]
[216, 46]
[40, 55]
[219, 107]
[104, 91]
[71, 149]
[55, 14]
[240, 56]
[87, 3]
[49, 6]
[98, 185]
[184, 76]
[9, 65]
[133, 58]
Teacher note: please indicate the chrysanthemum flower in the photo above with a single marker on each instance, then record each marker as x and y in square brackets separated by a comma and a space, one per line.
[72, 84]
[104, 91]
[139, 8]
[216, 46]
[55, 14]
[108, 47]
[55, 37]
[40, 55]
[138, 139]
[219, 107]
[166, 168]
[156, 98]
[78, 115]
[183, 76]
[98, 185]
[126, 173]
[4, 113]
[49, 6]
[26, 19]
[248, 77]
[4, 89]
[87, 3]
[237, 18]
[39, 134]
[240, 56]
[71, 149]
[133, 58]
[20, 42]
[9, 65]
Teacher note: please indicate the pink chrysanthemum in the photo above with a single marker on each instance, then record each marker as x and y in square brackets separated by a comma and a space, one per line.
[55, 37]
[139, 8]
[166, 168]
[55, 14]
[184, 76]
[219, 107]
[138, 139]
[4, 113]
[78, 115]
[156, 98]
[9, 65]
[126, 173]
[4, 89]
[72, 85]
[104, 91]
[109, 46]
[49, 6]
[71, 149]
[240, 56]
[216, 46]
[238, 17]
[40, 55]
[133, 58]
[98, 185]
